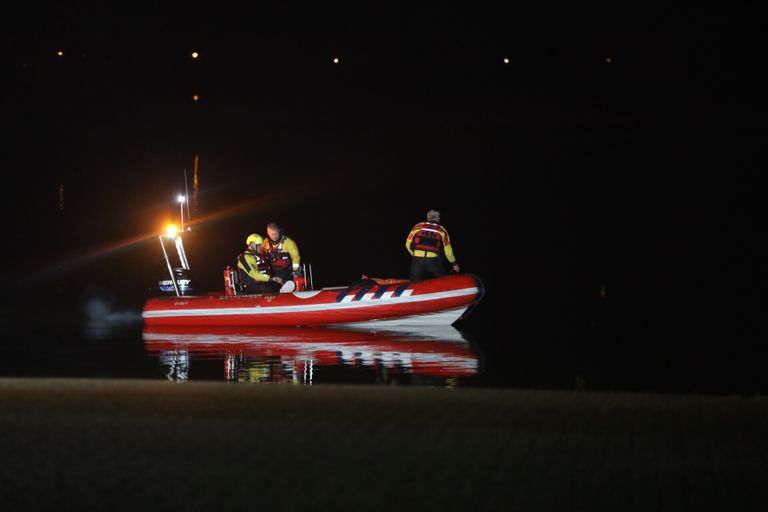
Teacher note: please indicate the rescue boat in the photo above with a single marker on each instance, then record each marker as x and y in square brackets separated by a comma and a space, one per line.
[371, 302]
[440, 301]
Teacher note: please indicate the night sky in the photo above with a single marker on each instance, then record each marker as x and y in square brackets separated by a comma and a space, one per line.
[615, 150]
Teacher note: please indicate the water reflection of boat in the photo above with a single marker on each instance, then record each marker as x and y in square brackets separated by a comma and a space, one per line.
[299, 355]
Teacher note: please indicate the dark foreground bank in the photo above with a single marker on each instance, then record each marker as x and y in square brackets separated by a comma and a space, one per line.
[118, 445]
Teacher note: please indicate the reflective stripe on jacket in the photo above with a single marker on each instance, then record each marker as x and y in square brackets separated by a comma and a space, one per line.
[427, 238]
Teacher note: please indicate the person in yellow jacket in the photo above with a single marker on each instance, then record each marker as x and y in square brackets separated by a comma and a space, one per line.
[281, 252]
[253, 269]
[427, 243]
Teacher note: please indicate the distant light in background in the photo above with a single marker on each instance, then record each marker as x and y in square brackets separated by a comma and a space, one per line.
[335, 60]
[195, 98]
[181, 198]
[608, 60]
[506, 60]
[60, 53]
[171, 231]
[195, 55]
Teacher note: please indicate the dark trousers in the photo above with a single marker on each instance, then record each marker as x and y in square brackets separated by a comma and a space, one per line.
[284, 273]
[251, 286]
[424, 268]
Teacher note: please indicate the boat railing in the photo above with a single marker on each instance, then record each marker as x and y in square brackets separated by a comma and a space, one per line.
[168, 262]
[306, 271]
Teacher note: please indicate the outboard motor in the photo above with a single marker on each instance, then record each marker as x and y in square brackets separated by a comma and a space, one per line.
[183, 282]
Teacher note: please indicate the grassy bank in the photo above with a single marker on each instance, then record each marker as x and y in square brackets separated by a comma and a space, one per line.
[119, 445]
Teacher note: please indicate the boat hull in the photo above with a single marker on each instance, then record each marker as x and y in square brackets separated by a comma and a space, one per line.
[438, 301]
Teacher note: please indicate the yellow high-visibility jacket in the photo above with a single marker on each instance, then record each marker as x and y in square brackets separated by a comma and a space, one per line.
[285, 245]
[437, 229]
[254, 266]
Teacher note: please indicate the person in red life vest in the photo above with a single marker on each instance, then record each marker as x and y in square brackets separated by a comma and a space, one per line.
[281, 252]
[427, 243]
[254, 270]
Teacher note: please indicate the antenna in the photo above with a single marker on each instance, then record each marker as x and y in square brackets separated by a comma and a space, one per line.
[195, 186]
[181, 200]
[186, 199]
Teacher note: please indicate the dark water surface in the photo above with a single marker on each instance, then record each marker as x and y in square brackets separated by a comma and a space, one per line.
[96, 339]
[124, 348]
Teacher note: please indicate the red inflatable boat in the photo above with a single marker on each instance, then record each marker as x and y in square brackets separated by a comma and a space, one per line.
[439, 301]
[380, 303]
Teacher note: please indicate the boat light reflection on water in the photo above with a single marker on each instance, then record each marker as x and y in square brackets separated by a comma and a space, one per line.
[434, 356]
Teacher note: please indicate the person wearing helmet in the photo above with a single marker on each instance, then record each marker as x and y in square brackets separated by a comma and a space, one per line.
[427, 243]
[254, 270]
[281, 252]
